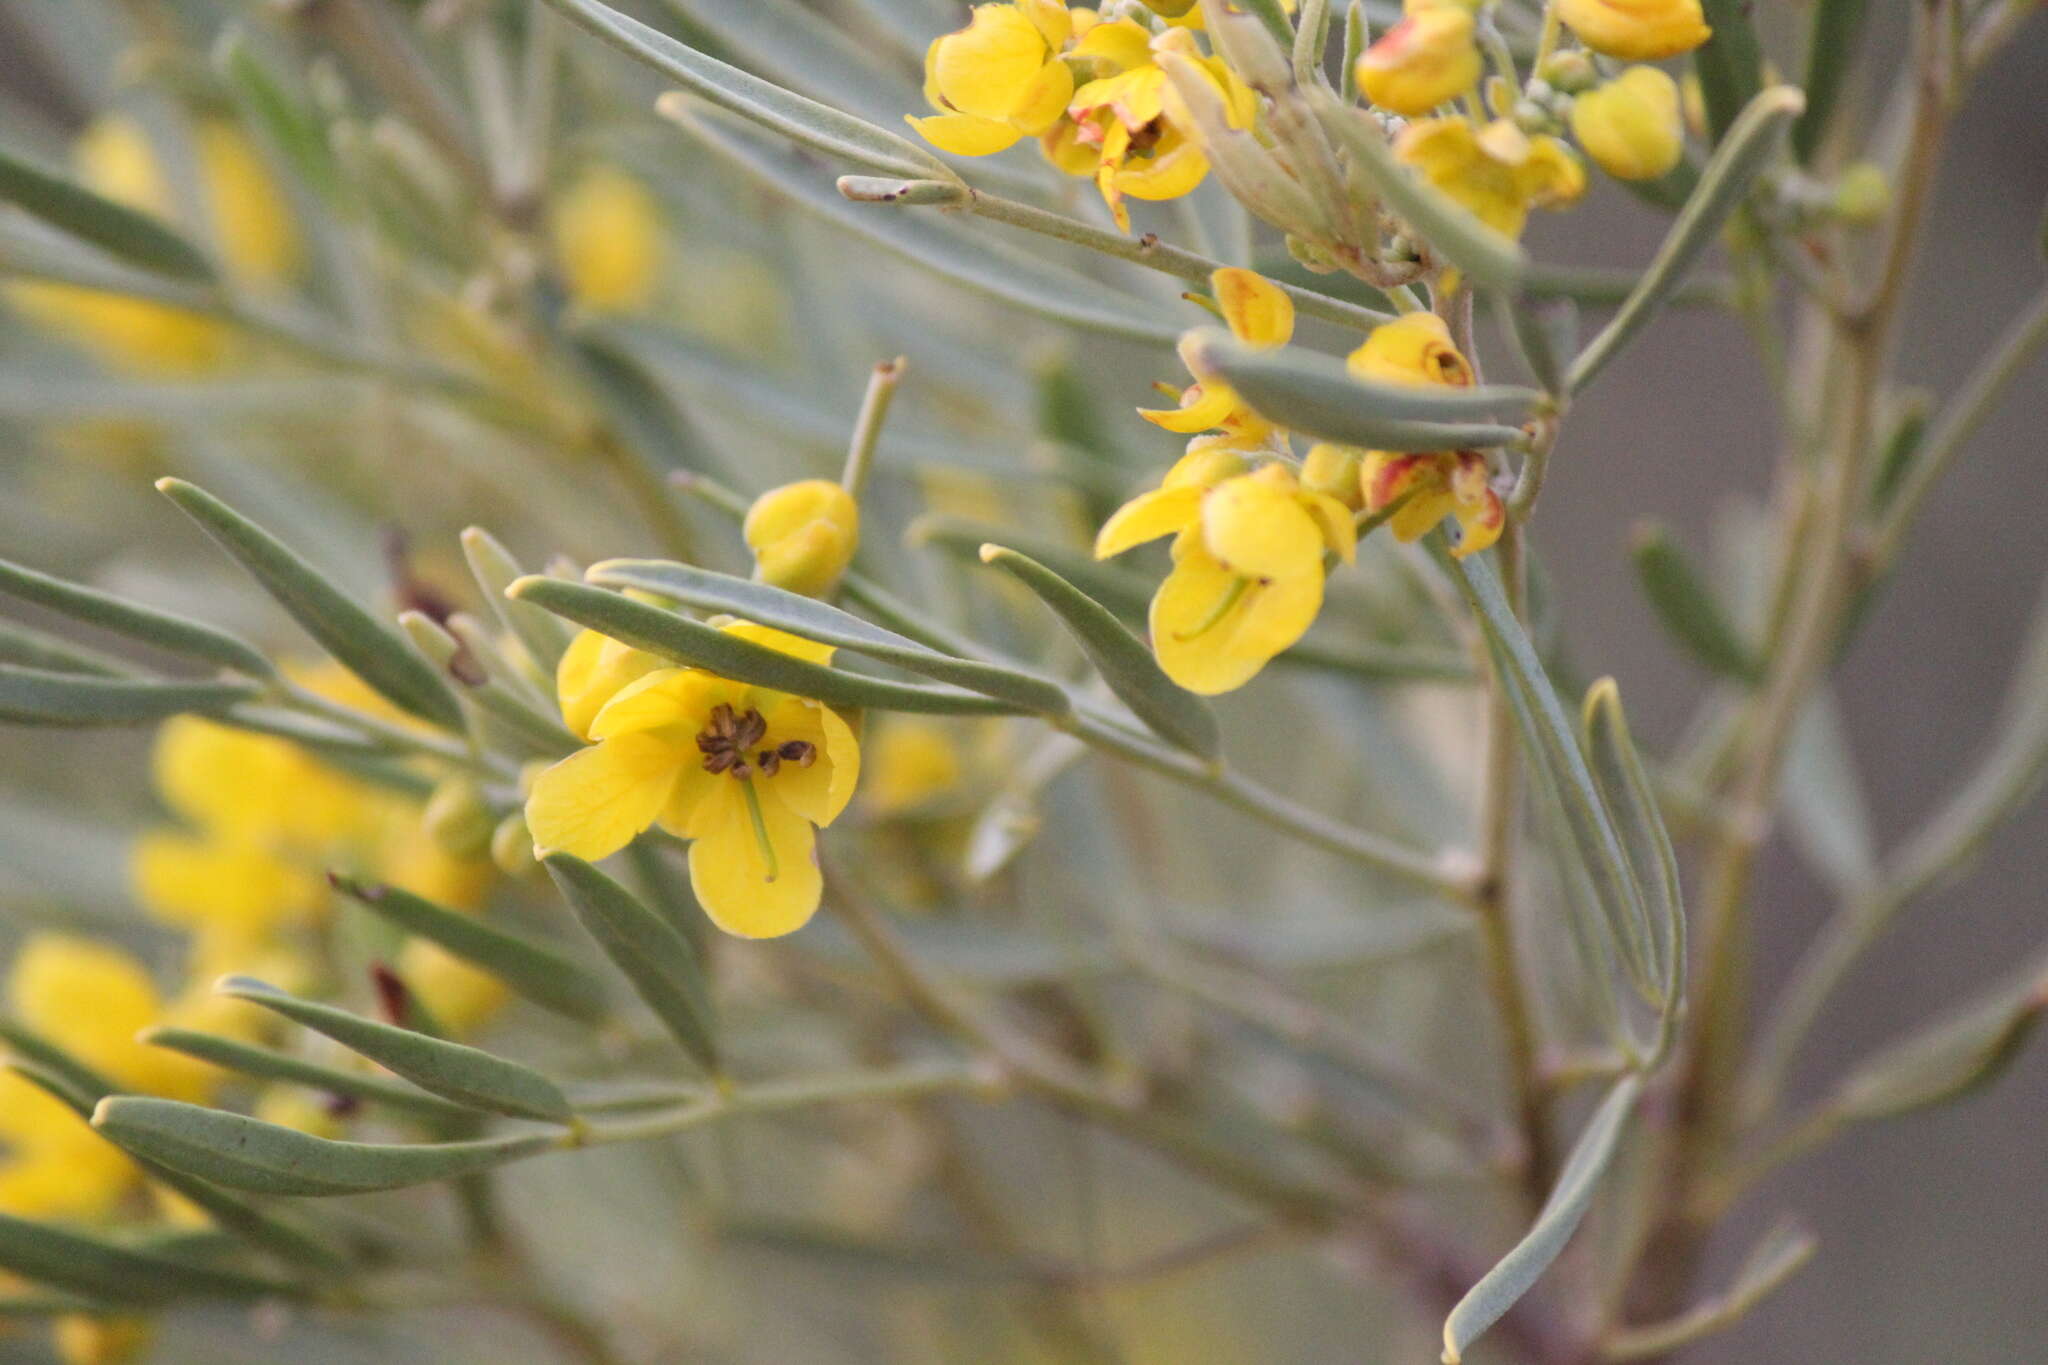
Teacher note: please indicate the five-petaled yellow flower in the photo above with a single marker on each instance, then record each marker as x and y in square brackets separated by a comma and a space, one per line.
[1497, 172]
[1430, 485]
[1260, 315]
[1248, 550]
[743, 772]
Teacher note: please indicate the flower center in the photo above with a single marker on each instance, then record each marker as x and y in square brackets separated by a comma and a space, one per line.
[732, 742]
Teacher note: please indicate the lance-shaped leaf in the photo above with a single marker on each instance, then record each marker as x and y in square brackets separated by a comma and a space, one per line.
[1830, 53]
[1724, 184]
[264, 1158]
[228, 1211]
[37, 696]
[35, 649]
[495, 570]
[134, 237]
[1174, 713]
[784, 40]
[827, 624]
[1686, 607]
[1730, 65]
[690, 641]
[77, 1078]
[100, 1269]
[293, 127]
[453, 1071]
[1314, 394]
[1945, 1061]
[1826, 813]
[653, 954]
[267, 1064]
[344, 629]
[539, 973]
[1449, 228]
[801, 120]
[1618, 768]
[162, 629]
[1118, 589]
[1505, 1284]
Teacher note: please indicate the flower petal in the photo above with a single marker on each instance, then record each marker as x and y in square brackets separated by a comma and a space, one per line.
[1207, 652]
[966, 134]
[985, 68]
[731, 874]
[1044, 100]
[1258, 311]
[821, 791]
[1160, 512]
[781, 641]
[1256, 526]
[1203, 406]
[668, 697]
[594, 801]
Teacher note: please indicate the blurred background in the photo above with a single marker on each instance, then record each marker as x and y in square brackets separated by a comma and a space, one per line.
[1933, 1230]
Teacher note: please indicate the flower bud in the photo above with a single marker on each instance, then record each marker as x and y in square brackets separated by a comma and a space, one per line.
[1415, 349]
[512, 845]
[803, 535]
[1636, 30]
[1862, 194]
[1333, 469]
[1570, 71]
[1631, 126]
[1423, 61]
[608, 241]
[458, 819]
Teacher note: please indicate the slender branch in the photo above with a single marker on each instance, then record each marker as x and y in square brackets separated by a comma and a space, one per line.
[867, 427]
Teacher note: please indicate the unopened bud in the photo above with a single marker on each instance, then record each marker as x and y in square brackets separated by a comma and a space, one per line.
[1333, 469]
[1423, 61]
[1636, 30]
[1570, 71]
[512, 845]
[458, 819]
[1631, 126]
[803, 535]
[1862, 194]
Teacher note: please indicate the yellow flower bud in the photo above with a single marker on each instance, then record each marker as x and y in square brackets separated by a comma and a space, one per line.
[1333, 469]
[803, 535]
[1862, 194]
[608, 241]
[913, 760]
[1414, 349]
[1631, 126]
[1636, 30]
[82, 1339]
[512, 845]
[458, 819]
[1423, 61]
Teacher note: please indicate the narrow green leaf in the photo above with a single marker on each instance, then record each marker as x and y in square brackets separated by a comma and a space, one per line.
[690, 641]
[1118, 589]
[266, 1064]
[1826, 813]
[1174, 713]
[1686, 607]
[263, 1158]
[539, 973]
[344, 629]
[295, 130]
[162, 629]
[1830, 53]
[35, 696]
[1778, 1255]
[827, 624]
[652, 953]
[804, 121]
[1311, 41]
[1946, 1060]
[1357, 33]
[545, 636]
[100, 1269]
[453, 1071]
[1314, 394]
[1618, 768]
[1546, 332]
[1906, 421]
[29, 1046]
[785, 40]
[134, 237]
[1504, 1285]
[35, 649]
[1724, 184]
[1450, 230]
[1730, 65]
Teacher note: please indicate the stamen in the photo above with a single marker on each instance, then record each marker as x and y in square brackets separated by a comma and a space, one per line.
[1230, 598]
[801, 752]
[760, 829]
[769, 762]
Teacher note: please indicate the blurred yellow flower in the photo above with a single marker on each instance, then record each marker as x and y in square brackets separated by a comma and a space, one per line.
[803, 535]
[461, 997]
[1248, 550]
[85, 1339]
[1631, 127]
[1636, 30]
[1414, 348]
[609, 243]
[1426, 59]
[743, 772]
[911, 761]
[1497, 172]
[1259, 314]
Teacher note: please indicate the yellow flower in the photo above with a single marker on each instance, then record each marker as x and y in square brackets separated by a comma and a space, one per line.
[1425, 60]
[912, 761]
[803, 535]
[608, 241]
[1259, 314]
[461, 997]
[1636, 30]
[593, 668]
[1437, 484]
[999, 79]
[1333, 469]
[55, 1165]
[1498, 172]
[1412, 349]
[1631, 126]
[743, 772]
[1248, 550]
[1143, 137]
[83, 1339]
[291, 1106]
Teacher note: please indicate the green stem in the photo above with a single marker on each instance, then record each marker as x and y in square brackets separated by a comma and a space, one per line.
[867, 427]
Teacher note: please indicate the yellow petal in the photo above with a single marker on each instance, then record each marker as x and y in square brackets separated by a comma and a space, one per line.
[235, 888]
[965, 134]
[985, 68]
[1258, 311]
[1340, 532]
[1160, 512]
[1051, 19]
[821, 791]
[1420, 514]
[1045, 99]
[1203, 406]
[732, 875]
[1118, 45]
[781, 641]
[667, 697]
[1414, 349]
[1176, 166]
[1256, 526]
[594, 801]
[89, 998]
[592, 669]
[1209, 654]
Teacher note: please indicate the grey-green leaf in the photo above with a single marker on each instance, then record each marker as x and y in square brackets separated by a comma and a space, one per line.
[263, 1158]
[162, 629]
[265, 1064]
[1686, 607]
[539, 973]
[453, 1071]
[1946, 1060]
[134, 237]
[801, 120]
[690, 641]
[1723, 185]
[495, 570]
[1504, 1285]
[827, 624]
[1314, 394]
[1174, 713]
[1730, 65]
[653, 954]
[344, 629]
[104, 1270]
[1118, 589]
[1618, 768]
[36, 696]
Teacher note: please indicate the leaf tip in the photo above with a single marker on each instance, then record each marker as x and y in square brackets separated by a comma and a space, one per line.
[522, 587]
[991, 552]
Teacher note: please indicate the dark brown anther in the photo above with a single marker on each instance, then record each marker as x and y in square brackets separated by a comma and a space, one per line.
[798, 751]
[726, 738]
[769, 762]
